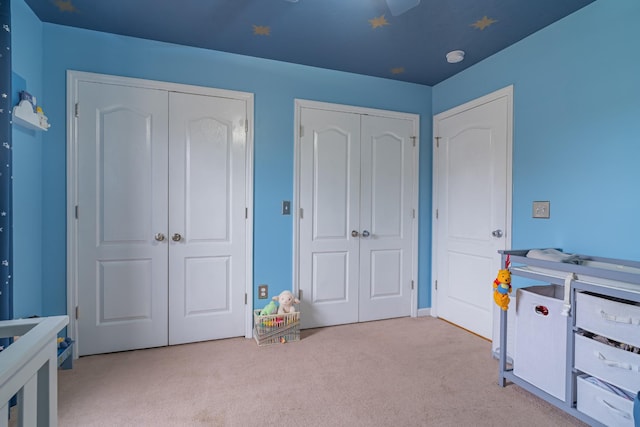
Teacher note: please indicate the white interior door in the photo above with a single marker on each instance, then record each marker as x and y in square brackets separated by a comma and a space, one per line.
[472, 203]
[207, 165]
[329, 201]
[356, 226]
[162, 216]
[386, 217]
[122, 192]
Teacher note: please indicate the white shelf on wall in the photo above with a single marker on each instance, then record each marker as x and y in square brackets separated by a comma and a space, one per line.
[24, 116]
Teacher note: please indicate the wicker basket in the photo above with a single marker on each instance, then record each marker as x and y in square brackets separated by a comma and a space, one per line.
[276, 328]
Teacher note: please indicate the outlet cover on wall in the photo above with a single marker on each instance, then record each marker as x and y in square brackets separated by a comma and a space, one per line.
[263, 291]
[541, 209]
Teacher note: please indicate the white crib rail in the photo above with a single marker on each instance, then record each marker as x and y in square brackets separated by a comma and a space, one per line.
[28, 368]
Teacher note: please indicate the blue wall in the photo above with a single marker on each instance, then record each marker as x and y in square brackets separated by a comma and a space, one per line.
[576, 110]
[26, 45]
[576, 128]
[275, 85]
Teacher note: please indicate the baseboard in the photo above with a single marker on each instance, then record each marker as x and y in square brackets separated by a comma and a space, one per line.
[424, 312]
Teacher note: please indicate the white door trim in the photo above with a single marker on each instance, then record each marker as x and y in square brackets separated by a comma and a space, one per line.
[501, 93]
[73, 80]
[415, 118]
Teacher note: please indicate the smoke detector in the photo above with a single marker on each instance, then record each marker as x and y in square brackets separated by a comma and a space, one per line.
[455, 56]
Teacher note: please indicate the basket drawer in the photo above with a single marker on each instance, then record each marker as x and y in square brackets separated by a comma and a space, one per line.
[613, 365]
[603, 405]
[619, 321]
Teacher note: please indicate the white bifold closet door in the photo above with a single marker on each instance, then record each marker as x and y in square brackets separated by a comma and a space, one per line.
[356, 223]
[161, 211]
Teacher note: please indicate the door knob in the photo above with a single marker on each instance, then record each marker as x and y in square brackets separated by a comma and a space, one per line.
[354, 233]
[496, 233]
[159, 237]
[365, 233]
[176, 237]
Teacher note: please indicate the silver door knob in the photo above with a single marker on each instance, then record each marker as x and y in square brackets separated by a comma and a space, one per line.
[365, 233]
[176, 237]
[159, 237]
[496, 233]
[354, 233]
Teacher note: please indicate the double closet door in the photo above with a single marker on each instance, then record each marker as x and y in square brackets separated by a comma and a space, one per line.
[356, 220]
[160, 217]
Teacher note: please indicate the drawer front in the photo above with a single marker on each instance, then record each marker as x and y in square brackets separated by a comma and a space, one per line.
[612, 319]
[604, 406]
[613, 365]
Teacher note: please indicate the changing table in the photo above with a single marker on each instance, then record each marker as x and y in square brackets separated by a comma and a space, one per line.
[602, 305]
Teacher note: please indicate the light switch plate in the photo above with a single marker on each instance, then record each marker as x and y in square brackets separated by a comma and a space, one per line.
[541, 209]
[286, 207]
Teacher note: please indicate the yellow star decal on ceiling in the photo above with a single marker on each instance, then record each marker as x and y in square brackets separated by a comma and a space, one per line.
[65, 6]
[260, 30]
[483, 23]
[397, 70]
[380, 21]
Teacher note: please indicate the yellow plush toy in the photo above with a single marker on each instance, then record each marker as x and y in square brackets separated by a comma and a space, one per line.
[502, 289]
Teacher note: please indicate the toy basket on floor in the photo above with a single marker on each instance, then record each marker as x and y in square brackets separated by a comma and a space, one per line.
[276, 328]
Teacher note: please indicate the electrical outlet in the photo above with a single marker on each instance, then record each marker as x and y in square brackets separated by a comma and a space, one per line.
[263, 291]
[541, 209]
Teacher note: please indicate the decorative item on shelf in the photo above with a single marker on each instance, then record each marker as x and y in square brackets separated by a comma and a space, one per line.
[28, 114]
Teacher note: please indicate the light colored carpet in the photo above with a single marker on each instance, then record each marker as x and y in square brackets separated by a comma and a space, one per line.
[399, 372]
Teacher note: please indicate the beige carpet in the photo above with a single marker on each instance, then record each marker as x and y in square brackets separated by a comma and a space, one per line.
[400, 372]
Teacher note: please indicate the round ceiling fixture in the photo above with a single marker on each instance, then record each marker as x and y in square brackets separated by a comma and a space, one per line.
[455, 56]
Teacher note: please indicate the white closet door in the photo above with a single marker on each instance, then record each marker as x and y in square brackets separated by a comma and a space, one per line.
[356, 227]
[161, 227]
[207, 166]
[122, 204]
[329, 199]
[386, 217]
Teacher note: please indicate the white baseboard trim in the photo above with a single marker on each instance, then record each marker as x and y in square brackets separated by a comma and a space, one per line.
[424, 312]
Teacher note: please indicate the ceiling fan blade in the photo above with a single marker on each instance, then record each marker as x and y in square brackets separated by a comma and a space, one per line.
[398, 7]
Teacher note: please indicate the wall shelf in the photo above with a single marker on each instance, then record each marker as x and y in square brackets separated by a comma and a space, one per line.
[24, 116]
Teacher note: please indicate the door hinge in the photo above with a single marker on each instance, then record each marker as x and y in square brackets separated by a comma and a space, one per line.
[300, 294]
[413, 214]
[437, 138]
[414, 140]
[412, 285]
[301, 131]
[246, 213]
[76, 110]
[77, 312]
[246, 126]
[245, 298]
[76, 211]
[301, 213]
[437, 213]
[436, 285]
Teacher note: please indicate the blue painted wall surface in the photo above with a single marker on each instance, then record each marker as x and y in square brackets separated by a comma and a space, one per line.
[26, 46]
[576, 109]
[275, 85]
[576, 128]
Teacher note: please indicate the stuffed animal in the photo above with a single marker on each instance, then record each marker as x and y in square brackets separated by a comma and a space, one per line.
[502, 289]
[269, 309]
[286, 301]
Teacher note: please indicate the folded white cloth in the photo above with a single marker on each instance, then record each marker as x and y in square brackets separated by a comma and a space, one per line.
[553, 255]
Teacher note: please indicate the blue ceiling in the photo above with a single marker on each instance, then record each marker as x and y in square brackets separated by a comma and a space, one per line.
[404, 40]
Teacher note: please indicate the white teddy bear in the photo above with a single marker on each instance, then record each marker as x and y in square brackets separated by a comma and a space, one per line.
[286, 301]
